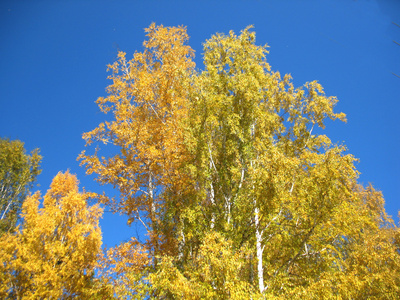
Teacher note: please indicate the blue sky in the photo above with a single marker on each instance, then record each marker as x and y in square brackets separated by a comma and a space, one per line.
[53, 57]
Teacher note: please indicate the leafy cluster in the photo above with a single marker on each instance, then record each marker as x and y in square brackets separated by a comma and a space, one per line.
[54, 254]
[18, 172]
[228, 172]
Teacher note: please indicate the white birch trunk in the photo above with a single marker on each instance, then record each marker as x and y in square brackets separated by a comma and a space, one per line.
[260, 250]
[259, 239]
[182, 242]
[212, 194]
[212, 199]
[10, 202]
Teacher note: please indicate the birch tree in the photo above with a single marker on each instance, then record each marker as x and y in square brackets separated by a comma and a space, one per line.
[234, 156]
[148, 98]
[18, 172]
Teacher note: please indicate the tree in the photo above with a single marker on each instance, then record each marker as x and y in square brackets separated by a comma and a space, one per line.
[234, 156]
[149, 99]
[18, 172]
[54, 253]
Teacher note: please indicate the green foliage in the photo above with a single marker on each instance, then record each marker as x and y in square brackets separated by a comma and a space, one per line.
[18, 172]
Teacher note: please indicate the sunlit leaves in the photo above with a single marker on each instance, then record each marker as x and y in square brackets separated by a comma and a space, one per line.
[240, 193]
[54, 252]
[216, 271]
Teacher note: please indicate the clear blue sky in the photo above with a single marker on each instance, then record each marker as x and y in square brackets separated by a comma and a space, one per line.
[53, 57]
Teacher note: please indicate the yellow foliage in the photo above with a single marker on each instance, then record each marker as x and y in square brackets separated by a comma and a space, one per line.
[227, 170]
[124, 269]
[54, 252]
[216, 272]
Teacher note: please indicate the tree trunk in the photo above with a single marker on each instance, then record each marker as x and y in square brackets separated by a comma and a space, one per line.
[260, 250]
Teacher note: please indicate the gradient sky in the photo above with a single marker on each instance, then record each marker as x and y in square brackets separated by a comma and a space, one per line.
[53, 57]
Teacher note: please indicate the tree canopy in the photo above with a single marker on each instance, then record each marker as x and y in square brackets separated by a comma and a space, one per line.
[230, 174]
